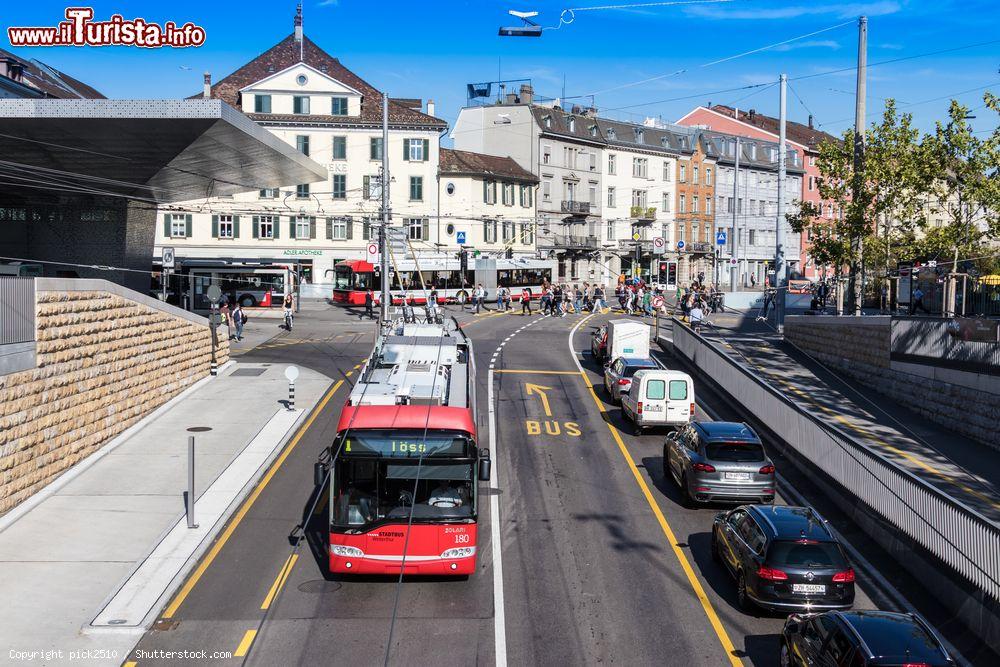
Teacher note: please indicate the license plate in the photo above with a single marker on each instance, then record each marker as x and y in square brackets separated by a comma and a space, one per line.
[808, 588]
[738, 476]
[653, 408]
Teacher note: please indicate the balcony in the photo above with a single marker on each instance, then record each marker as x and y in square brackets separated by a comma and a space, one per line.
[570, 241]
[701, 247]
[643, 213]
[575, 207]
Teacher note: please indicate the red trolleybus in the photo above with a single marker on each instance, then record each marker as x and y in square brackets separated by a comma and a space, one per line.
[404, 465]
[353, 277]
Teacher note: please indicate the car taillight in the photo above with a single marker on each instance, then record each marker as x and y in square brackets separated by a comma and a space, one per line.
[703, 467]
[623, 381]
[915, 664]
[692, 410]
[766, 470]
[771, 574]
[638, 408]
[845, 577]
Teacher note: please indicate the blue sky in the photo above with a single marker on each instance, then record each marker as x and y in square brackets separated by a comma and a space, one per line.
[431, 49]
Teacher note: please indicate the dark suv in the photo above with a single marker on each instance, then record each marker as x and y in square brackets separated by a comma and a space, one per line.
[783, 559]
[861, 639]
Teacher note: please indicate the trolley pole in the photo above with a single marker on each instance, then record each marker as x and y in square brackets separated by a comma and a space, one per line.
[190, 490]
[734, 270]
[386, 214]
[780, 283]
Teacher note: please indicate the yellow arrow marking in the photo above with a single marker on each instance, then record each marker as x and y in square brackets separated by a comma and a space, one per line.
[540, 390]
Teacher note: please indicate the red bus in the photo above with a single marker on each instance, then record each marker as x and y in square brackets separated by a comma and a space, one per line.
[405, 464]
[353, 277]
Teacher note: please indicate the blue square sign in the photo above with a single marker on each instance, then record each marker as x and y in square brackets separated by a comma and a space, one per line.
[720, 238]
[460, 237]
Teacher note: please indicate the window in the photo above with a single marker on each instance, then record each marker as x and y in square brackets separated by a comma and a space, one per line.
[546, 154]
[666, 202]
[810, 183]
[639, 138]
[371, 187]
[683, 204]
[302, 227]
[656, 390]
[526, 196]
[547, 190]
[739, 206]
[694, 174]
[639, 198]
[302, 191]
[666, 171]
[508, 194]
[812, 160]
[729, 204]
[300, 104]
[611, 197]
[490, 231]
[592, 192]
[694, 204]
[338, 229]
[418, 228]
[611, 230]
[416, 188]
[366, 229]
[490, 192]
[593, 161]
[179, 226]
[708, 176]
[269, 193]
[302, 144]
[507, 231]
[262, 103]
[415, 150]
[547, 121]
[753, 203]
[339, 189]
[760, 207]
[708, 206]
[678, 390]
[639, 165]
[570, 189]
[572, 124]
[753, 237]
[226, 229]
[681, 230]
[375, 148]
[611, 133]
[593, 130]
[339, 106]
[683, 174]
[611, 164]
[527, 233]
[340, 148]
[265, 227]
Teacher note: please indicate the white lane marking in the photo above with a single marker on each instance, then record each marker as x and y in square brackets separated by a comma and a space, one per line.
[499, 620]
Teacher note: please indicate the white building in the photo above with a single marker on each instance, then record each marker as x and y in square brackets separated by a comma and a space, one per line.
[309, 99]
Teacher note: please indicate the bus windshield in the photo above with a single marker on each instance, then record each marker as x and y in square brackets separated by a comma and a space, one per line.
[383, 476]
[344, 278]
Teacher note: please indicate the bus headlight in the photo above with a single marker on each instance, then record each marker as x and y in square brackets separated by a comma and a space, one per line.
[459, 552]
[350, 552]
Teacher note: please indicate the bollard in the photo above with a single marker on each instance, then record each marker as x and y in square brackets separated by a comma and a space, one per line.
[190, 492]
[291, 395]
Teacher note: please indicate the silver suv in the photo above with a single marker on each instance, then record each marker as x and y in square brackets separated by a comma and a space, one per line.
[719, 461]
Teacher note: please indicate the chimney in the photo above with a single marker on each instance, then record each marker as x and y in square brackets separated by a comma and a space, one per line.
[12, 69]
[207, 90]
[736, 113]
[810, 121]
[430, 107]
[298, 24]
[527, 93]
[753, 112]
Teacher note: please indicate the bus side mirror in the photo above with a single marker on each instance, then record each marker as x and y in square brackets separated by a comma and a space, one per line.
[319, 473]
[484, 466]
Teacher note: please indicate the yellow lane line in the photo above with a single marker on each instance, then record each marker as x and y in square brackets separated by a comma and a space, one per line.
[245, 643]
[279, 581]
[247, 504]
[525, 370]
[348, 373]
[130, 663]
[699, 590]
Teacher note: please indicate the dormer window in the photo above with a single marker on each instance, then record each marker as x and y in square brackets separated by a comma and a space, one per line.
[611, 133]
[638, 135]
[664, 142]
[593, 130]
[572, 124]
[547, 121]
[753, 151]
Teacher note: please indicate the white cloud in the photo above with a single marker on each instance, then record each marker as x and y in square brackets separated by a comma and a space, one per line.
[890, 46]
[327, 3]
[810, 44]
[843, 11]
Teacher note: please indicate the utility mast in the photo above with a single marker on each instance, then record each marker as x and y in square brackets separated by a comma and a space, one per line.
[780, 274]
[853, 286]
[386, 301]
[734, 269]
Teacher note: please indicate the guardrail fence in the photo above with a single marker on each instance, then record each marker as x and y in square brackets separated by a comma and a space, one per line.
[962, 344]
[968, 542]
[17, 310]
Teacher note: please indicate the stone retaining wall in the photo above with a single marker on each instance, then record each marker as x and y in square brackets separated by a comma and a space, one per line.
[860, 348]
[103, 362]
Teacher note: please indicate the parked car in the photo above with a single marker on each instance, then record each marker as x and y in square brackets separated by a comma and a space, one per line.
[719, 461]
[659, 398]
[783, 559]
[599, 343]
[861, 639]
[618, 375]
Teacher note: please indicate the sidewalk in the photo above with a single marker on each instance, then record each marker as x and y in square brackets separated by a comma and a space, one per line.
[109, 538]
[962, 467]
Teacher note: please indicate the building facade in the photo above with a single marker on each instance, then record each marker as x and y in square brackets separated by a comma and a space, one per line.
[311, 101]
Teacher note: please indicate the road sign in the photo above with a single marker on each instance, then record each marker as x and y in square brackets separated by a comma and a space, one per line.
[169, 258]
[214, 293]
[460, 238]
[720, 238]
[932, 263]
[657, 302]
[680, 245]
[636, 236]
[292, 373]
[373, 254]
[659, 245]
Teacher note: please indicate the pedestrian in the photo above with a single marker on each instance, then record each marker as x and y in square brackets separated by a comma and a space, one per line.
[370, 303]
[647, 303]
[557, 301]
[753, 280]
[478, 297]
[239, 318]
[577, 299]
[629, 301]
[526, 301]
[224, 315]
[408, 315]
[501, 302]
[697, 316]
[917, 303]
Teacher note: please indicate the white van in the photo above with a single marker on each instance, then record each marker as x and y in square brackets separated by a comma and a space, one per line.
[659, 398]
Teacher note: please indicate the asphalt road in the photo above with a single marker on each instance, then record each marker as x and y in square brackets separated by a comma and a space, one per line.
[600, 562]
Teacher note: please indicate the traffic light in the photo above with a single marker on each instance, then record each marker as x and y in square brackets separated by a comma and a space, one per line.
[509, 254]
[463, 260]
[663, 267]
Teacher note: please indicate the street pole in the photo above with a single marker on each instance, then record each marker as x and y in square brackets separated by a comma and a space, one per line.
[780, 283]
[190, 489]
[735, 269]
[386, 214]
[854, 300]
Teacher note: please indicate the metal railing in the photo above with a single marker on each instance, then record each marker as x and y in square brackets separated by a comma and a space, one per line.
[575, 207]
[17, 310]
[946, 343]
[959, 536]
[570, 241]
